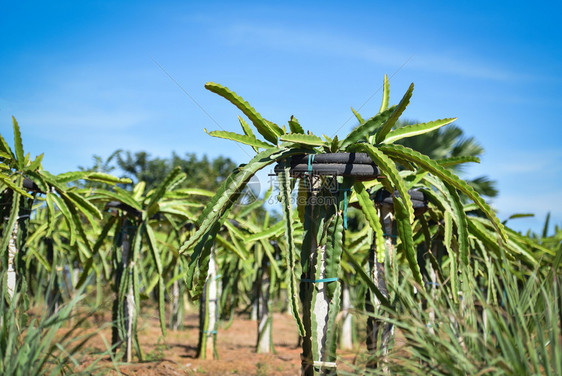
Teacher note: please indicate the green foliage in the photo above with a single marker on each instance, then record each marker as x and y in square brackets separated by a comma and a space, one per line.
[405, 233]
[294, 125]
[243, 139]
[33, 346]
[372, 218]
[268, 130]
[385, 94]
[375, 137]
[141, 167]
[323, 224]
[368, 128]
[427, 164]
[136, 218]
[451, 148]
[500, 269]
[285, 194]
[303, 139]
[415, 130]
[200, 241]
[387, 126]
[518, 335]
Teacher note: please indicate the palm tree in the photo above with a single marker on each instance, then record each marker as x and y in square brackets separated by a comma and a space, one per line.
[200, 172]
[450, 142]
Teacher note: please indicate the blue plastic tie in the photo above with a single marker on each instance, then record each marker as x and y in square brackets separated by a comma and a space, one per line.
[345, 207]
[390, 235]
[309, 174]
[319, 280]
[209, 331]
[310, 162]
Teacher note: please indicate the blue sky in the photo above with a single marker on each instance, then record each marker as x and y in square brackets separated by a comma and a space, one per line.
[82, 78]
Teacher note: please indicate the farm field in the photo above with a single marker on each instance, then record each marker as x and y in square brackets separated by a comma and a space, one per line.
[280, 188]
[368, 225]
[176, 353]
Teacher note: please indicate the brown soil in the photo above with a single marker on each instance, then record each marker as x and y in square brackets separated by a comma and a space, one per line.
[175, 354]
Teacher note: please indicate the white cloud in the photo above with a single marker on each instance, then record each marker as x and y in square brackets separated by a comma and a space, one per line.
[336, 45]
[539, 164]
[528, 182]
[81, 121]
[527, 201]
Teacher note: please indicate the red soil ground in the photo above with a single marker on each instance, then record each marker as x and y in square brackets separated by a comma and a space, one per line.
[175, 353]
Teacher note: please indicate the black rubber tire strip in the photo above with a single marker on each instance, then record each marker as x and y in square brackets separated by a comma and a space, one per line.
[419, 200]
[119, 205]
[338, 158]
[30, 186]
[360, 170]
